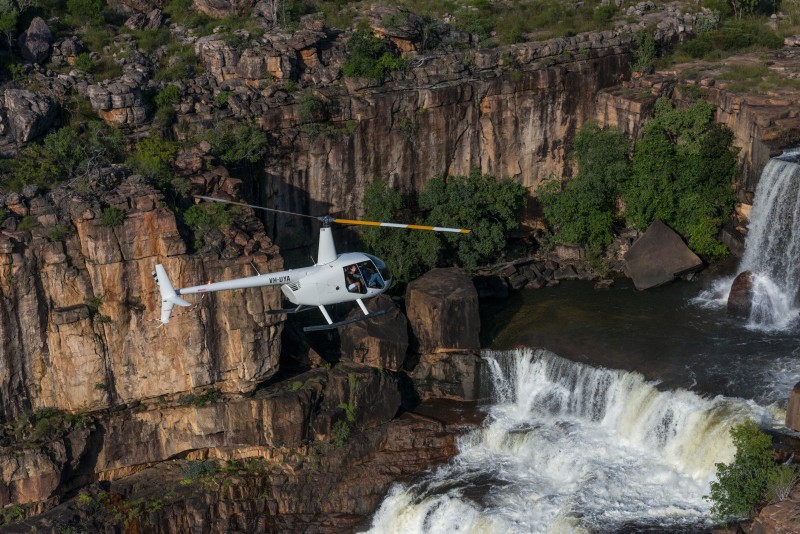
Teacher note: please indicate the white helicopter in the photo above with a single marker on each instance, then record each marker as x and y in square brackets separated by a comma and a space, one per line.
[335, 278]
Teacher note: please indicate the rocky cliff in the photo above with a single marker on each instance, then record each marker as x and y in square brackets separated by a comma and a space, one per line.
[79, 305]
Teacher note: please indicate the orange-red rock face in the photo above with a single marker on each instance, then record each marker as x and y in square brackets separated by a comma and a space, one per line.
[77, 314]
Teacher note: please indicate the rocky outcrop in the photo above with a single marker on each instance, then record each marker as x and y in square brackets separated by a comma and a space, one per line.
[118, 443]
[779, 518]
[151, 21]
[658, 257]
[29, 114]
[322, 488]
[78, 306]
[762, 124]
[34, 43]
[380, 342]
[740, 298]
[120, 102]
[222, 8]
[432, 301]
[442, 309]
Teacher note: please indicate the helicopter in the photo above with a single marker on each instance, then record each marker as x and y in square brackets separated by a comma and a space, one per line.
[333, 279]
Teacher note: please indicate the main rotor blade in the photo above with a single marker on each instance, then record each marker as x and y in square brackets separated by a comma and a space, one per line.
[213, 199]
[409, 226]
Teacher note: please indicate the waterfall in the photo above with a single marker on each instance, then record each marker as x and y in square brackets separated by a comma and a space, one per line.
[567, 447]
[772, 248]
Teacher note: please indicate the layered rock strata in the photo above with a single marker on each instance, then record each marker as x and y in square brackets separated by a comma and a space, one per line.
[442, 310]
[79, 305]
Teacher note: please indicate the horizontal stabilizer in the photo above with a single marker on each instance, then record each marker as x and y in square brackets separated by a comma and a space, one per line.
[169, 297]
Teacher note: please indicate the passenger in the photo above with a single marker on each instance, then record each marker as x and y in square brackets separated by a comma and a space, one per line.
[353, 279]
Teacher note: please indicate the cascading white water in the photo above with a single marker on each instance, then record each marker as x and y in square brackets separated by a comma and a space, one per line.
[772, 248]
[572, 448]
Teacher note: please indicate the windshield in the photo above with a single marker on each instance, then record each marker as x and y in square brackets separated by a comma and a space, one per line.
[382, 268]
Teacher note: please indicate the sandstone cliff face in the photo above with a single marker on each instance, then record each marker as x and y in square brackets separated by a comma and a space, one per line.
[78, 304]
[762, 124]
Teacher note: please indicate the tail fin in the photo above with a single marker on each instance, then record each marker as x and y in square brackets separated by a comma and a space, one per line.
[169, 297]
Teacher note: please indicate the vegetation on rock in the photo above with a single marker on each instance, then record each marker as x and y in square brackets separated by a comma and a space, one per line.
[681, 172]
[752, 478]
[368, 56]
[583, 210]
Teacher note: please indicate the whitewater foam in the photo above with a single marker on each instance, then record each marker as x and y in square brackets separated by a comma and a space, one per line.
[568, 447]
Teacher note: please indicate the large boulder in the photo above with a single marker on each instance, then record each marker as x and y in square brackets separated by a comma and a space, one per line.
[380, 342]
[793, 409]
[442, 307]
[121, 102]
[34, 43]
[29, 114]
[658, 257]
[740, 298]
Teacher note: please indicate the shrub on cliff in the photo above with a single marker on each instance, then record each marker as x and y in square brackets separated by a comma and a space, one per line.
[582, 211]
[682, 173]
[368, 57]
[237, 143]
[489, 207]
[62, 155]
[154, 159]
[752, 478]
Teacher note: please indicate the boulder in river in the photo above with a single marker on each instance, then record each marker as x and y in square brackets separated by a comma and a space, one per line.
[658, 257]
[740, 299]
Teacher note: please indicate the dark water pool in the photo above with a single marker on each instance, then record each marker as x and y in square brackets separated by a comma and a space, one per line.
[657, 332]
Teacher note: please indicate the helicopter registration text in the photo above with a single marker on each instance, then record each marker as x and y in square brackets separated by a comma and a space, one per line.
[279, 279]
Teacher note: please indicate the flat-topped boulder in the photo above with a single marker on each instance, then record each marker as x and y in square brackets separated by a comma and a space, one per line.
[442, 308]
[378, 342]
[658, 257]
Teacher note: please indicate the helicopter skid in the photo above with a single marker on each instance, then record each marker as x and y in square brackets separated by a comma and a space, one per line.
[300, 308]
[346, 321]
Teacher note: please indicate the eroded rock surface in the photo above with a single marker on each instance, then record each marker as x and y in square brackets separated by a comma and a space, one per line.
[79, 304]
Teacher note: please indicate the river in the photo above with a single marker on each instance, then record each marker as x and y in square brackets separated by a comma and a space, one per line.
[616, 427]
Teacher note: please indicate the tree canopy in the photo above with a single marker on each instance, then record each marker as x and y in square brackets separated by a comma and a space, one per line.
[481, 203]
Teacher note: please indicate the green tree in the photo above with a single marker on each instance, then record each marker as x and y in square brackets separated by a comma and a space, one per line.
[367, 56]
[9, 15]
[408, 253]
[583, 211]
[208, 216]
[741, 486]
[682, 173]
[487, 206]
